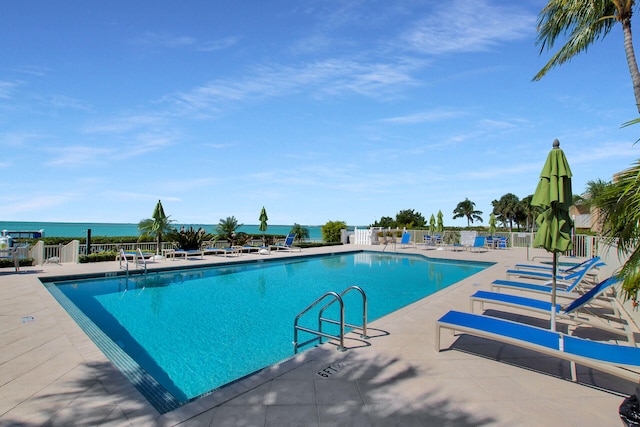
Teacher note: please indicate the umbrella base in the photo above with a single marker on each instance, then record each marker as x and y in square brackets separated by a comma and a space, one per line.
[629, 412]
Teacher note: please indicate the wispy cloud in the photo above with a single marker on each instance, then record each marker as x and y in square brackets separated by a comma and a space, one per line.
[468, 26]
[125, 123]
[7, 89]
[62, 101]
[169, 41]
[16, 139]
[78, 156]
[335, 77]
[30, 70]
[426, 116]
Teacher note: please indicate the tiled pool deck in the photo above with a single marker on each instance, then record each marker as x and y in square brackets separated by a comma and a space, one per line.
[52, 374]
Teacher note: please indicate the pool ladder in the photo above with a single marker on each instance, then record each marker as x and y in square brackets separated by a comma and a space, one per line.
[139, 258]
[332, 297]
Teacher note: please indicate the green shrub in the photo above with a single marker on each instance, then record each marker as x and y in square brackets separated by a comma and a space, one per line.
[8, 262]
[98, 257]
[331, 231]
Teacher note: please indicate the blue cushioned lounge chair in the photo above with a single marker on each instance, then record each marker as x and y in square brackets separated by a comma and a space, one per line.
[286, 245]
[564, 270]
[478, 244]
[617, 360]
[183, 253]
[565, 287]
[572, 312]
[405, 240]
[547, 275]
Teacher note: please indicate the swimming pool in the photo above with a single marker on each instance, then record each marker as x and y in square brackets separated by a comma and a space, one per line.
[179, 334]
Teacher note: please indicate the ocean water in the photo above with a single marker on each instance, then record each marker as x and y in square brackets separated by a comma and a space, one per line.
[79, 229]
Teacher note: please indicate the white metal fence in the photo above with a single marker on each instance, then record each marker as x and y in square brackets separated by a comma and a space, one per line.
[584, 246]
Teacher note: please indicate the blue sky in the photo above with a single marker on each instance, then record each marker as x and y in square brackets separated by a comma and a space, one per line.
[320, 110]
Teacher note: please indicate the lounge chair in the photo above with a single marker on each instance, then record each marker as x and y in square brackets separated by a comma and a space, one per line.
[561, 269]
[405, 241]
[184, 253]
[548, 275]
[572, 312]
[610, 358]
[229, 251]
[478, 244]
[565, 288]
[286, 245]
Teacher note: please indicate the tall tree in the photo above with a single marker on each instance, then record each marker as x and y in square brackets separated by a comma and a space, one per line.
[507, 208]
[410, 218]
[226, 229]
[530, 212]
[467, 209]
[585, 22]
[300, 232]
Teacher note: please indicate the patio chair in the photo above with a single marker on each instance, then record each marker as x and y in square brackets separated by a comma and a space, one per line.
[548, 274]
[549, 267]
[564, 287]
[502, 243]
[574, 311]
[184, 253]
[478, 244]
[286, 245]
[405, 241]
[613, 359]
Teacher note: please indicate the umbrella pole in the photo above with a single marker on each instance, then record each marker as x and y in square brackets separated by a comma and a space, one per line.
[553, 291]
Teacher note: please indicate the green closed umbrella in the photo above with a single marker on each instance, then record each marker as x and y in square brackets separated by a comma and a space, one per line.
[263, 222]
[159, 224]
[440, 226]
[492, 224]
[432, 224]
[554, 196]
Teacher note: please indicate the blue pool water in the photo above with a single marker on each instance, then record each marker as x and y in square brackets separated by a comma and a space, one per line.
[195, 330]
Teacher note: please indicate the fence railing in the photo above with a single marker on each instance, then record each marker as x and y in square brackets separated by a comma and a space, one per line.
[584, 246]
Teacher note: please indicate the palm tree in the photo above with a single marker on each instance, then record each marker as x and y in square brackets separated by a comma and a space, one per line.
[618, 206]
[466, 209]
[594, 189]
[300, 232]
[159, 225]
[585, 22]
[226, 229]
[530, 212]
[507, 208]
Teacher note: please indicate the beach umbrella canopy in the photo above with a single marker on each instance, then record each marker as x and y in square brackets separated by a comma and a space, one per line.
[492, 224]
[440, 226]
[432, 224]
[158, 212]
[159, 223]
[554, 196]
[159, 218]
[263, 220]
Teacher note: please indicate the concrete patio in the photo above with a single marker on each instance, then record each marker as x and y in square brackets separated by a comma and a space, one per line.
[52, 374]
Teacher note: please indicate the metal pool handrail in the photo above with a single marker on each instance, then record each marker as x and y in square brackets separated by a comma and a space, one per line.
[364, 311]
[333, 298]
[319, 332]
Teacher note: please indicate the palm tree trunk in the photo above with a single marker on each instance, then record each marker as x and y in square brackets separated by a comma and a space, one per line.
[631, 59]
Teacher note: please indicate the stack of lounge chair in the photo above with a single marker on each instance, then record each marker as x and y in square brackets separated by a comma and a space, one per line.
[586, 307]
